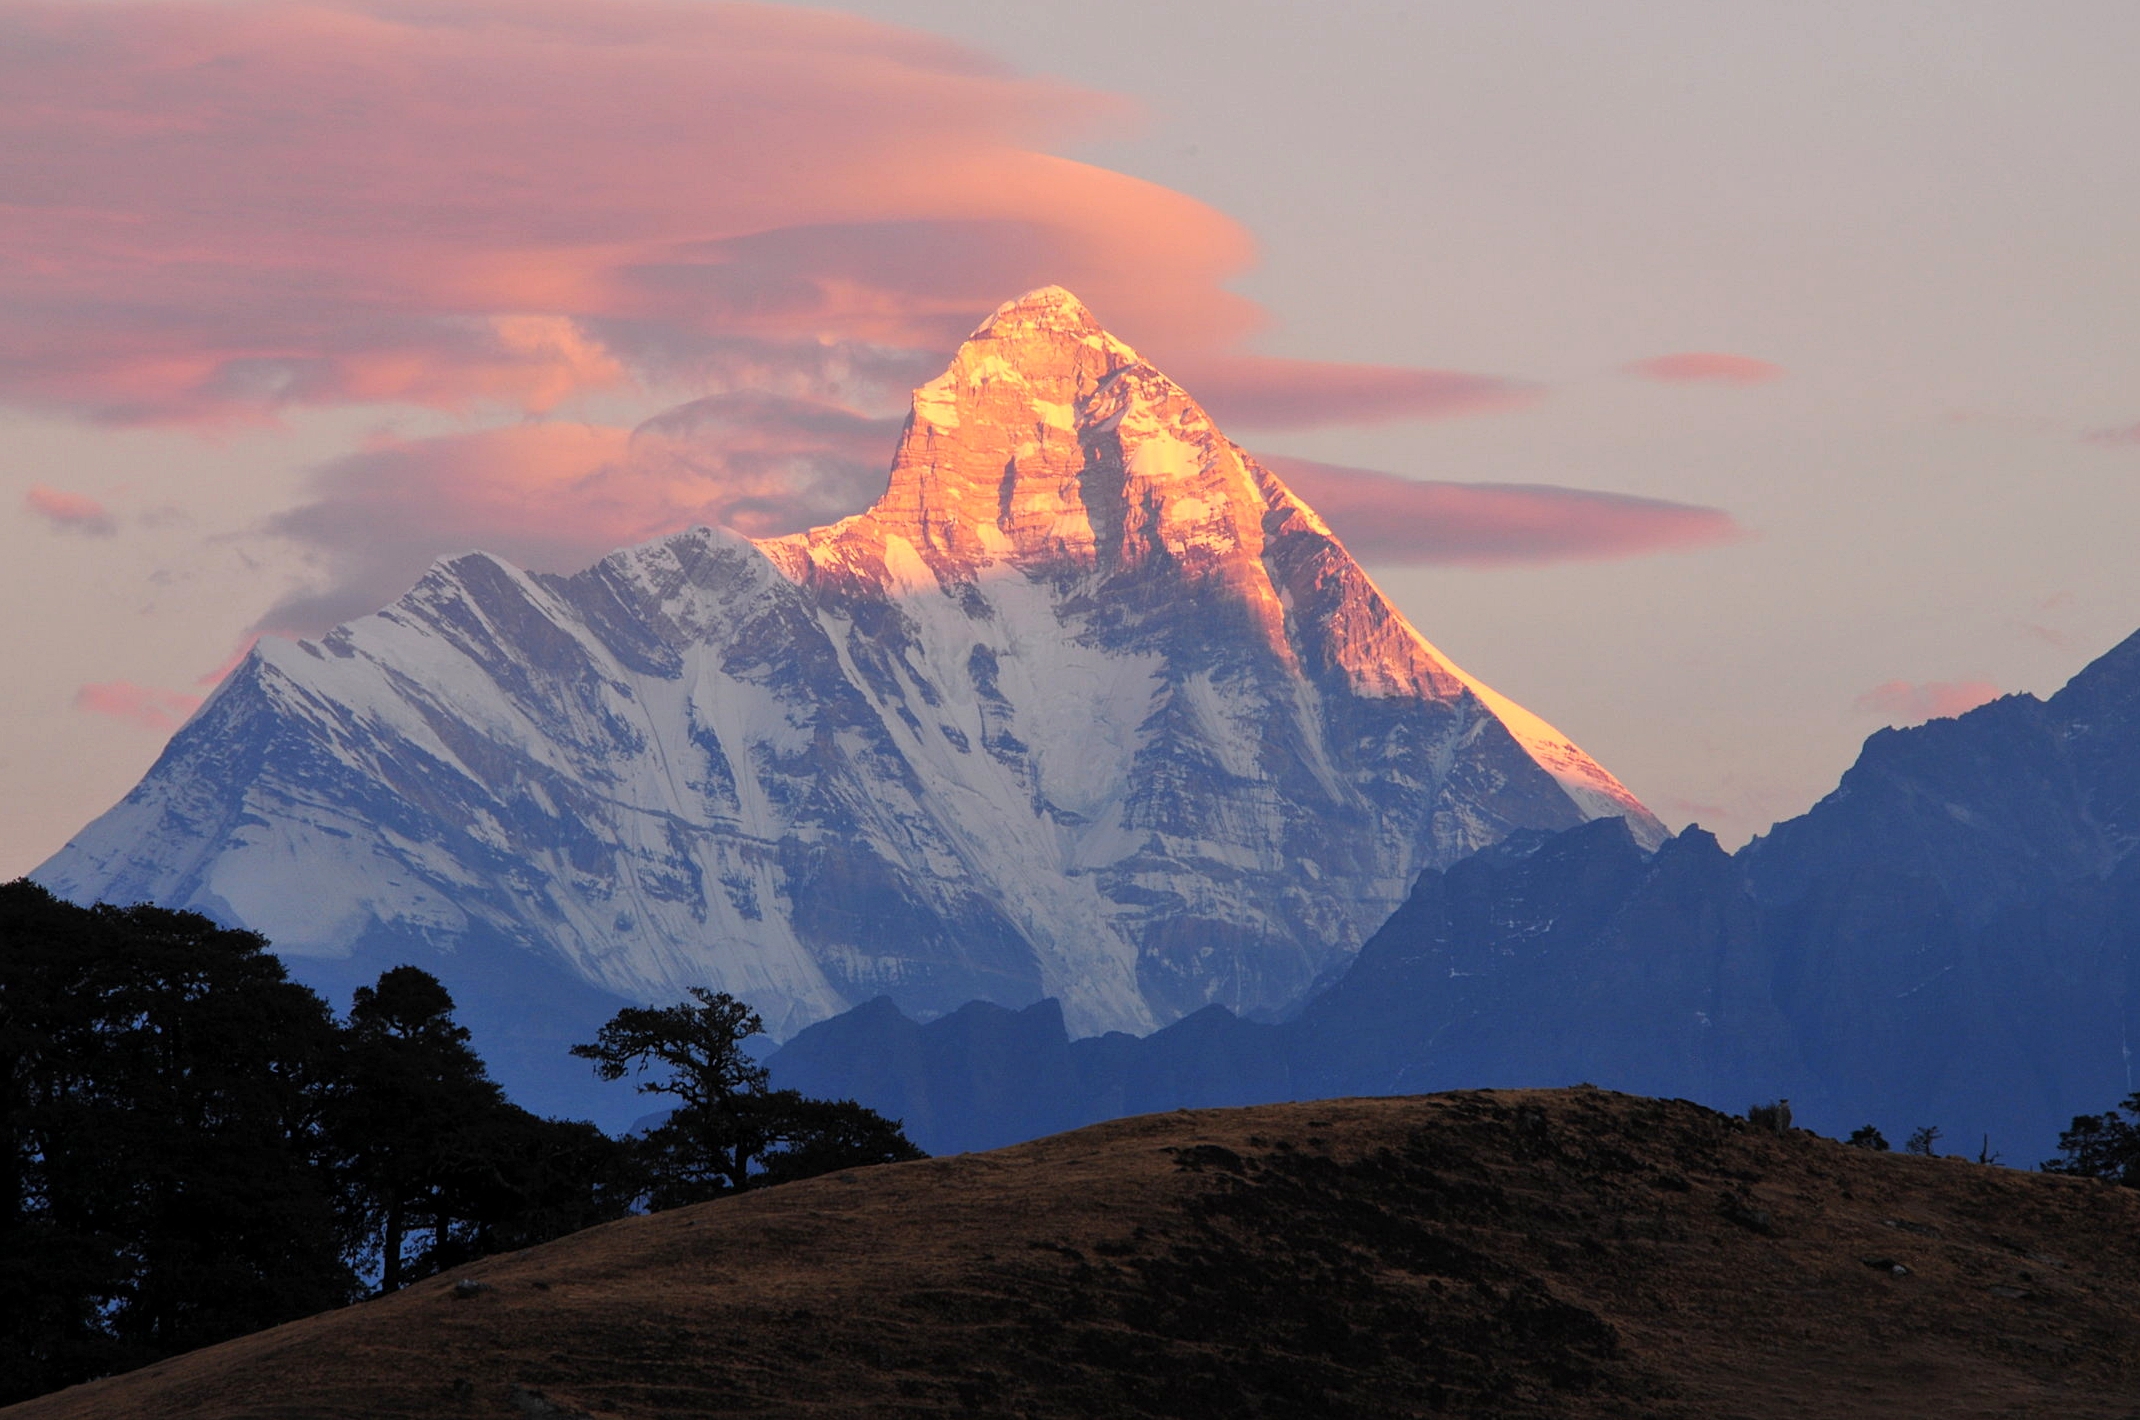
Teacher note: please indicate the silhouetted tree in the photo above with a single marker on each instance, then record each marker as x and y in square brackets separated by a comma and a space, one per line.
[191, 1147]
[1867, 1137]
[824, 1136]
[442, 1167]
[411, 1089]
[730, 1129]
[2101, 1146]
[1923, 1140]
[163, 1185]
[519, 1179]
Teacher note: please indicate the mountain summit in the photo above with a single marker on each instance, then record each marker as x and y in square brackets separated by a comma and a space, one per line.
[1088, 705]
[1051, 447]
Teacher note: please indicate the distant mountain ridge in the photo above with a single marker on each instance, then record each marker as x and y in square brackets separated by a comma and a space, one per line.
[1951, 938]
[1088, 707]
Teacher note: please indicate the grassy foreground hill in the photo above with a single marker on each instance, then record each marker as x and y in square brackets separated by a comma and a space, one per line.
[1562, 1253]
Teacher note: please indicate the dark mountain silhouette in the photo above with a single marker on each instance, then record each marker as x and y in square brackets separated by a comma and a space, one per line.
[1951, 937]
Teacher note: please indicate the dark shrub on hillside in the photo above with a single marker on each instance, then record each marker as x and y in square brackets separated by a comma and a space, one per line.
[2102, 1146]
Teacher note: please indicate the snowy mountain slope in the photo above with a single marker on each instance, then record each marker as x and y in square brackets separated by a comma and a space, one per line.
[1088, 705]
[1952, 936]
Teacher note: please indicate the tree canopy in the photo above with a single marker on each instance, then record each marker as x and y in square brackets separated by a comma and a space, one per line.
[192, 1146]
[440, 1166]
[729, 1130]
[164, 1182]
[2102, 1146]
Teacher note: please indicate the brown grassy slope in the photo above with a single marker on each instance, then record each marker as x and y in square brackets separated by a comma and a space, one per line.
[1515, 1254]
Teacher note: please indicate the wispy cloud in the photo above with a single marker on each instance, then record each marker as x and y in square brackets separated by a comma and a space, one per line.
[1381, 517]
[2044, 612]
[216, 211]
[1692, 810]
[1705, 367]
[1262, 392]
[70, 512]
[1906, 702]
[2120, 437]
[144, 706]
[560, 495]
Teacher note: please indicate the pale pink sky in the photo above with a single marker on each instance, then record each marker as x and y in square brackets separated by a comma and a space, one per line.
[1721, 382]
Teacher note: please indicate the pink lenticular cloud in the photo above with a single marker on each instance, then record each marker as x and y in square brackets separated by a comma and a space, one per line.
[70, 512]
[215, 211]
[381, 516]
[557, 495]
[1906, 702]
[144, 706]
[1706, 367]
[1261, 392]
[1381, 517]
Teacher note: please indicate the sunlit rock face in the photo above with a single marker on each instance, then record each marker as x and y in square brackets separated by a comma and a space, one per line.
[1088, 705]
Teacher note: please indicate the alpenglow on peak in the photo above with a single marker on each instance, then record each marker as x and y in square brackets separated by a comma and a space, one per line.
[1087, 705]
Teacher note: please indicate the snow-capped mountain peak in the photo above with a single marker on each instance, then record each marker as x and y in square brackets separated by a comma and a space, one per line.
[1087, 705]
[1050, 445]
